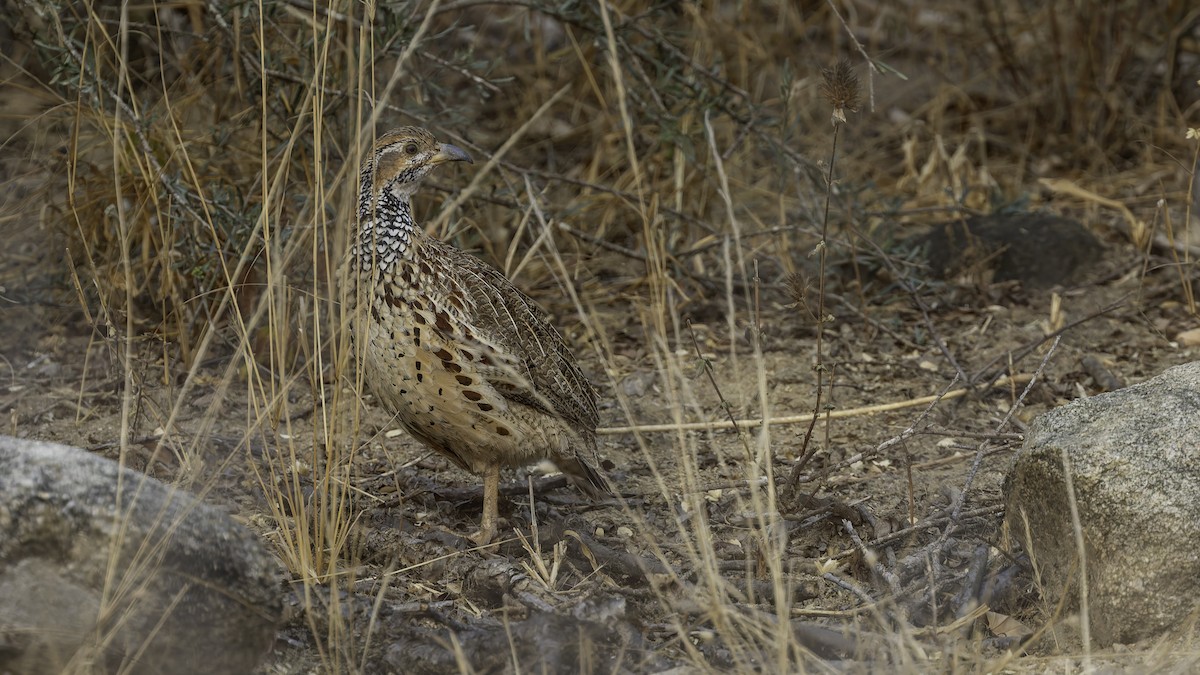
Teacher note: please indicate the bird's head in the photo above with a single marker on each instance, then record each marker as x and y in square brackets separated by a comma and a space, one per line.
[402, 157]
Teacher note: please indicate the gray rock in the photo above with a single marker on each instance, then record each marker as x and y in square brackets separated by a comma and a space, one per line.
[1135, 462]
[104, 569]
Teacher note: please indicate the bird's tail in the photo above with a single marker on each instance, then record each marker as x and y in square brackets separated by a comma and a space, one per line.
[586, 477]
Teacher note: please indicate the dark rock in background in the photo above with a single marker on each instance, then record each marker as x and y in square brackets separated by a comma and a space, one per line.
[1039, 250]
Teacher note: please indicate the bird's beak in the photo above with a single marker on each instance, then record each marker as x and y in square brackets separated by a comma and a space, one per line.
[450, 153]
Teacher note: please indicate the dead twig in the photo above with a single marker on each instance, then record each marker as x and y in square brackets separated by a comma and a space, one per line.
[804, 418]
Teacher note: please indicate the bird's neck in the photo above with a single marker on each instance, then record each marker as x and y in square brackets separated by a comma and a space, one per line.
[386, 229]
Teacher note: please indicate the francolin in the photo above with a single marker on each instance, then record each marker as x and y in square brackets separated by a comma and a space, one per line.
[469, 365]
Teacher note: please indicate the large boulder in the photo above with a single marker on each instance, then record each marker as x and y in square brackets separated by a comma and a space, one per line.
[103, 569]
[1134, 458]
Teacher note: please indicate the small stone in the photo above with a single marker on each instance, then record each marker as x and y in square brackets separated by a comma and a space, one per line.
[1189, 338]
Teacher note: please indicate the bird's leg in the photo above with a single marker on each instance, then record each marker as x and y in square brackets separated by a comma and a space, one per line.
[491, 502]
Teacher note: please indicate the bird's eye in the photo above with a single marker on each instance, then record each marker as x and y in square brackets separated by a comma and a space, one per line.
[411, 148]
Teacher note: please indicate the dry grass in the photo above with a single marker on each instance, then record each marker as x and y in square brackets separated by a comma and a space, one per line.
[656, 160]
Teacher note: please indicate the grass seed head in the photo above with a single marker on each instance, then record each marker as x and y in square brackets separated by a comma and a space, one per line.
[839, 86]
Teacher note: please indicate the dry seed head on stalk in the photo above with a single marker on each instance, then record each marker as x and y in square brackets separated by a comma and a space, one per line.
[839, 86]
[800, 289]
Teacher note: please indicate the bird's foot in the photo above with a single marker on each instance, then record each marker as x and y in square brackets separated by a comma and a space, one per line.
[485, 538]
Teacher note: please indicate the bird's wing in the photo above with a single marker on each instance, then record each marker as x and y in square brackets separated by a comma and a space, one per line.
[527, 360]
